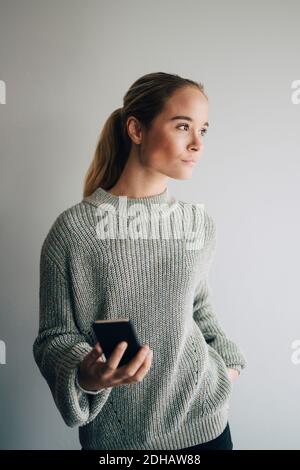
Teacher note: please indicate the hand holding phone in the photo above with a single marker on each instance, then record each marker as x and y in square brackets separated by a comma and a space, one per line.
[95, 373]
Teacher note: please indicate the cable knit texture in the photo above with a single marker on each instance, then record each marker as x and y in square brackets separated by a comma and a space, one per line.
[100, 260]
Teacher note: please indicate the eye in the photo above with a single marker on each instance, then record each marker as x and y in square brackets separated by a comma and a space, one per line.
[203, 131]
[180, 125]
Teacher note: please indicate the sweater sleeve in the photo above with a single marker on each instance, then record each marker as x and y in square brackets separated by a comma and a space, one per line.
[60, 347]
[203, 310]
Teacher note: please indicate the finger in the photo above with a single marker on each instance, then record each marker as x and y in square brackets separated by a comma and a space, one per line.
[94, 354]
[101, 359]
[116, 355]
[142, 371]
[132, 366]
[146, 364]
[98, 348]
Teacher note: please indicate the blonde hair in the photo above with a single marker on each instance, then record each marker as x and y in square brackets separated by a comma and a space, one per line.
[144, 100]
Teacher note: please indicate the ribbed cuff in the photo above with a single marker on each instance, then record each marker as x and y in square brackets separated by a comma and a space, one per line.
[238, 367]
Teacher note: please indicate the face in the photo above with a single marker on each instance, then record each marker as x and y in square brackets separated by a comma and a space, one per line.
[173, 146]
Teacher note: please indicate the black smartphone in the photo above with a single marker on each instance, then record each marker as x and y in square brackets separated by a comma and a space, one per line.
[110, 333]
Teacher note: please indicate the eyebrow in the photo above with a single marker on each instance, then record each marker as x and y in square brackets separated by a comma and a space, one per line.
[187, 118]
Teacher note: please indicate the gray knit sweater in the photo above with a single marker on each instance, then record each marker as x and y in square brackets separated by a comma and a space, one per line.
[146, 259]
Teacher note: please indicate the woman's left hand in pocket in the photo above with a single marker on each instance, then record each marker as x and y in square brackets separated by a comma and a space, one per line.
[233, 373]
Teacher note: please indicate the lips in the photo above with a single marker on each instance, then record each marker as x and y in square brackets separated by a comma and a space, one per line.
[189, 162]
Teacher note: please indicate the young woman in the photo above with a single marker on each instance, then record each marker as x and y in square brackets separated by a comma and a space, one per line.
[129, 249]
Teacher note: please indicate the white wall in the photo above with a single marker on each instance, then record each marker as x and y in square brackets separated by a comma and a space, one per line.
[66, 65]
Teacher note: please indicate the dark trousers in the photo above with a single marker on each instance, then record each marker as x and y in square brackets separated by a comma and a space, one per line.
[222, 442]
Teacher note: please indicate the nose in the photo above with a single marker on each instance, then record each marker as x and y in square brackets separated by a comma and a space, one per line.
[197, 143]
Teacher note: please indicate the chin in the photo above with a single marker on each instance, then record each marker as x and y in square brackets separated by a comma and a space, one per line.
[183, 175]
[179, 174]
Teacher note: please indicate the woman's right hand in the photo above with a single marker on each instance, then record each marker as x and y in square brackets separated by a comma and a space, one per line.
[95, 374]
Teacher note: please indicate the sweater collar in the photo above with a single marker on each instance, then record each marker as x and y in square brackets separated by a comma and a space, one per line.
[161, 200]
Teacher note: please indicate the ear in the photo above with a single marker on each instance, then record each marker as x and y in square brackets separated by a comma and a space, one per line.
[134, 129]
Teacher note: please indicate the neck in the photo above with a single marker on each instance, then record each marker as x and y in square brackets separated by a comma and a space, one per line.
[137, 193]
